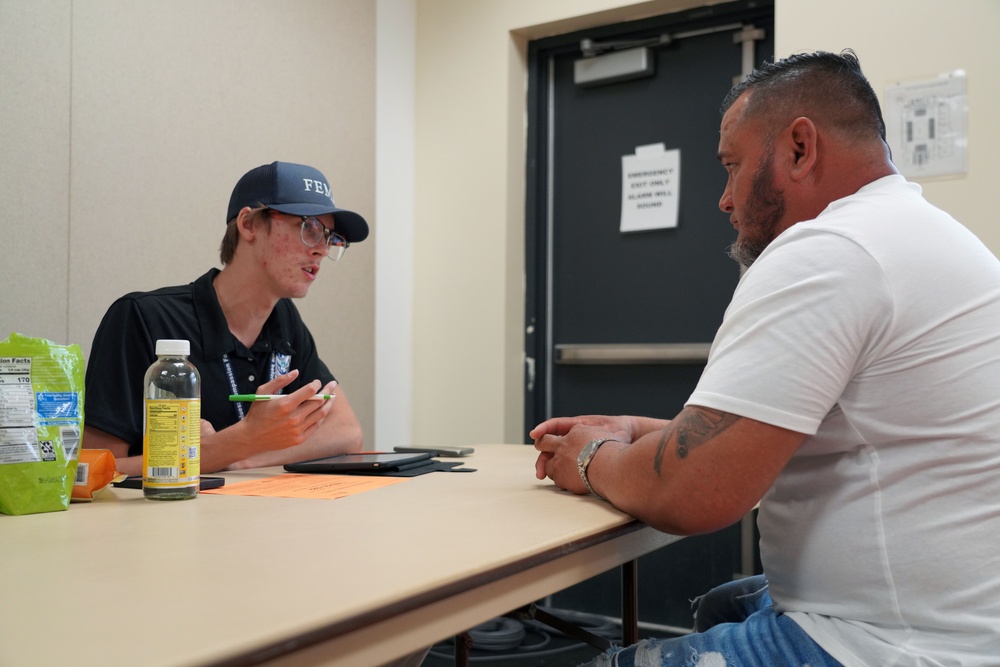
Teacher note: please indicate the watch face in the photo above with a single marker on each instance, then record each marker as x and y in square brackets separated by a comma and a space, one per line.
[588, 452]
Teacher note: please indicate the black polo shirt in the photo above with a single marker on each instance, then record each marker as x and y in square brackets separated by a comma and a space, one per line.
[125, 344]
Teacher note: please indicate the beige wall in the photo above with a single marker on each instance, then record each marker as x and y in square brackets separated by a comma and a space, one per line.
[124, 125]
[470, 168]
[919, 40]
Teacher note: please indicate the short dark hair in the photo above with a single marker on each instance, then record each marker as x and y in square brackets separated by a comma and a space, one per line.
[827, 87]
[232, 238]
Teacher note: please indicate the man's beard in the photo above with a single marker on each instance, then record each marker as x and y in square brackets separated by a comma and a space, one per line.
[763, 212]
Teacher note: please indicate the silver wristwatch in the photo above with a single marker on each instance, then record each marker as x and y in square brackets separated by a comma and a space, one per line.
[586, 456]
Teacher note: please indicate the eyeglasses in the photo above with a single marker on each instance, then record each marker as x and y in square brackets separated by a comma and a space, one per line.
[312, 231]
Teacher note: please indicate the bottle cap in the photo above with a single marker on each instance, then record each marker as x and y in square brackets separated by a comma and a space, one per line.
[173, 347]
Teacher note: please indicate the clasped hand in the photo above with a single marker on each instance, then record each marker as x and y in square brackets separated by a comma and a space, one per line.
[560, 440]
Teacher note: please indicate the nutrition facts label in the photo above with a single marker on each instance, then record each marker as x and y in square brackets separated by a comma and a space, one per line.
[18, 439]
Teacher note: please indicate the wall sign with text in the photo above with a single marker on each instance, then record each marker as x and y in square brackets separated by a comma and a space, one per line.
[651, 184]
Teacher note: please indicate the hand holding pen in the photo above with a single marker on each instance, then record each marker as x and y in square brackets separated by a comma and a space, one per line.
[285, 420]
[270, 397]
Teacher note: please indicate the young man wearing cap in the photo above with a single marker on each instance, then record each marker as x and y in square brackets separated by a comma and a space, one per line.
[246, 335]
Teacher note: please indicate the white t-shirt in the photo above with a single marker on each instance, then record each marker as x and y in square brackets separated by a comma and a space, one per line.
[875, 329]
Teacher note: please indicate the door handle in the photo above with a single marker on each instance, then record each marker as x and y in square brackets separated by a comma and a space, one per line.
[641, 353]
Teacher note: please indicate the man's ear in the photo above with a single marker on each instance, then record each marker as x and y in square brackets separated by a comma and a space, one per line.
[244, 223]
[802, 138]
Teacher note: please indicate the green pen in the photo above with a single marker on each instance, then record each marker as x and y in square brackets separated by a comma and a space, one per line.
[270, 397]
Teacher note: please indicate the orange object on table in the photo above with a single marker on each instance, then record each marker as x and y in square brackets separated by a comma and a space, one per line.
[95, 470]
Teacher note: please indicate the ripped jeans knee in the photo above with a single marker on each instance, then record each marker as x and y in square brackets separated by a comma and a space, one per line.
[764, 639]
[654, 653]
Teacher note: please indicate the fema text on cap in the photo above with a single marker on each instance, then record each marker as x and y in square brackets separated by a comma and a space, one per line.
[317, 186]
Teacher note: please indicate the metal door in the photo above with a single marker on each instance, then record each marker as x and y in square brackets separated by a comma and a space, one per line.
[620, 323]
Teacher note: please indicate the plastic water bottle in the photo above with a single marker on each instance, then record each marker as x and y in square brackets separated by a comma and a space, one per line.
[171, 443]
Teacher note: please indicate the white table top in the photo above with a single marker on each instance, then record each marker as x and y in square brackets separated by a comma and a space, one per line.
[236, 579]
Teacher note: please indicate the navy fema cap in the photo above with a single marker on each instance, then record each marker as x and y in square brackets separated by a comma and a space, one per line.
[295, 189]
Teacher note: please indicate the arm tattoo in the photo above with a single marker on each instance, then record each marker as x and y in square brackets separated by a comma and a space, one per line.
[693, 427]
[658, 459]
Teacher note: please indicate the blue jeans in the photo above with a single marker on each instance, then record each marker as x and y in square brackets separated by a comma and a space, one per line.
[736, 626]
[731, 602]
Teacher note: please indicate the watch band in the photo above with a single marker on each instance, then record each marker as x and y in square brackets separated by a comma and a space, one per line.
[586, 456]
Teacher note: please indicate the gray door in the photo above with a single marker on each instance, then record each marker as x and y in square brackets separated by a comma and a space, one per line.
[620, 322]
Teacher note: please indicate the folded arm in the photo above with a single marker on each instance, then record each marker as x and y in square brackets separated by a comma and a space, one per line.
[700, 472]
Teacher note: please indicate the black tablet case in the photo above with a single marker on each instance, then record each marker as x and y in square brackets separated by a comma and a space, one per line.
[372, 464]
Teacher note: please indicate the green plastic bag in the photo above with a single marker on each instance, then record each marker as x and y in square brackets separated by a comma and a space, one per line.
[41, 421]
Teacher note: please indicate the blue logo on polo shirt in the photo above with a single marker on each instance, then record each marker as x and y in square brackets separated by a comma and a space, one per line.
[280, 364]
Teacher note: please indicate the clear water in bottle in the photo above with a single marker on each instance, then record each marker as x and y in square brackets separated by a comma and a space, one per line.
[171, 452]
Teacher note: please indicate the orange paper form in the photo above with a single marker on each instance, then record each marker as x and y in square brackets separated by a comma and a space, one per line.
[292, 485]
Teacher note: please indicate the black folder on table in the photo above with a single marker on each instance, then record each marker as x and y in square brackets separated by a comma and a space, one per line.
[368, 463]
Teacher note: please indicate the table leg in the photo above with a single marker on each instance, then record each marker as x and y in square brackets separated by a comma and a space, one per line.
[567, 628]
[463, 647]
[630, 603]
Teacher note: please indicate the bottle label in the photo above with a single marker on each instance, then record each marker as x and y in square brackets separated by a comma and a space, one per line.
[171, 452]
